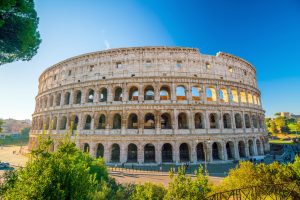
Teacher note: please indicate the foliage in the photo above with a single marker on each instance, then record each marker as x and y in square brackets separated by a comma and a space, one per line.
[19, 38]
[1, 123]
[282, 125]
[184, 187]
[25, 131]
[148, 191]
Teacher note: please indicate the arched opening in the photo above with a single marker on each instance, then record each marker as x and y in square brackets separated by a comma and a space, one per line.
[184, 154]
[63, 123]
[88, 122]
[132, 121]
[101, 122]
[243, 97]
[67, 98]
[46, 124]
[149, 153]
[199, 121]
[149, 121]
[118, 94]
[51, 101]
[164, 93]
[103, 95]
[115, 153]
[258, 146]
[247, 121]
[117, 121]
[259, 122]
[167, 153]
[182, 121]
[133, 94]
[180, 93]
[57, 99]
[45, 102]
[86, 148]
[78, 97]
[230, 150]
[100, 151]
[74, 122]
[213, 120]
[165, 121]
[223, 95]
[250, 99]
[251, 149]
[254, 121]
[196, 93]
[226, 121]
[200, 152]
[149, 93]
[54, 123]
[234, 95]
[90, 96]
[255, 99]
[242, 151]
[238, 121]
[216, 151]
[132, 153]
[211, 94]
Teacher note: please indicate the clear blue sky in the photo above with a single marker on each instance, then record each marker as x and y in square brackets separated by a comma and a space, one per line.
[266, 33]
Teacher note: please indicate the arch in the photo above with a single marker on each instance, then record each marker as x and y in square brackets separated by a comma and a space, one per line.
[149, 153]
[45, 102]
[234, 95]
[259, 122]
[118, 94]
[149, 122]
[149, 93]
[117, 121]
[200, 151]
[63, 123]
[133, 121]
[247, 121]
[251, 147]
[165, 121]
[90, 97]
[77, 99]
[254, 121]
[57, 99]
[259, 148]
[238, 120]
[86, 148]
[103, 95]
[67, 98]
[241, 147]
[46, 123]
[54, 123]
[243, 96]
[132, 153]
[199, 121]
[213, 120]
[88, 122]
[223, 95]
[211, 94]
[226, 121]
[184, 153]
[164, 93]
[180, 93]
[254, 99]
[51, 100]
[167, 153]
[133, 94]
[101, 122]
[115, 153]
[216, 151]
[230, 150]
[100, 151]
[250, 99]
[196, 93]
[41, 124]
[182, 121]
[74, 121]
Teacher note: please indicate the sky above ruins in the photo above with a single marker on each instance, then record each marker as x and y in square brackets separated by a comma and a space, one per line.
[266, 33]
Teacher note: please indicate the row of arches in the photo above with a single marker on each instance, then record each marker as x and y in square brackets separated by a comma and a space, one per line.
[152, 121]
[225, 95]
[216, 151]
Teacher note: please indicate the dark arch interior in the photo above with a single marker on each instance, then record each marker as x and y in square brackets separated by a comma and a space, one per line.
[167, 154]
[115, 153]
[184, 154]
[149, 153]
[132, 153]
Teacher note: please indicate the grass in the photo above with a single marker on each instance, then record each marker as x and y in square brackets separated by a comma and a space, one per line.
[281, 142]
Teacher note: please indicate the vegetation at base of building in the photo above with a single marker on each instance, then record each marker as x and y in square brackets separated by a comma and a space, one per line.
[20, 140]
[1, 123]
[282, 125]
[19, 38]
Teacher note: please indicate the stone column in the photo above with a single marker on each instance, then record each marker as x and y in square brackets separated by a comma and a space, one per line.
[124, 118]
[157, 121]
[125, 94]
[224, 151]
[208, 151]
[123, 152]
[175, 122]
[236, 150]
[157, 92]
[191, 122]
[141, 93]
[247, 149]
[173, 92]
[83, 95]
[96, 96]
[107, 149]
[109, 93]
[158, 158]
[255, 151]
[176, 157]
[193, 153]
[92, 149]
[71, 100]
[140, 154]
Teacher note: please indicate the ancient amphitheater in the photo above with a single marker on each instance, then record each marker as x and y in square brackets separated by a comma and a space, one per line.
[152, 105]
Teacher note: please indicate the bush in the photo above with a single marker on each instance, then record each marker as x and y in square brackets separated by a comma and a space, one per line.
[148, 191]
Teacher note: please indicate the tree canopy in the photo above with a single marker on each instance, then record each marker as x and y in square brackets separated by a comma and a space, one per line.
[19, 38]
[1, 123]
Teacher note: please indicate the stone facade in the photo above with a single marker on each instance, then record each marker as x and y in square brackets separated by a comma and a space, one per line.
[154, 105]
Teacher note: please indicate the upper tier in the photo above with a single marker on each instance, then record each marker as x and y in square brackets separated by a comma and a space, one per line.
[147, 62]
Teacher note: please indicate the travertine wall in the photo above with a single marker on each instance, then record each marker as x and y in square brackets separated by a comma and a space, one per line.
[153, 105]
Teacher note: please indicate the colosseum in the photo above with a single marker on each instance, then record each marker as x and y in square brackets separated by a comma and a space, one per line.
[153, 105]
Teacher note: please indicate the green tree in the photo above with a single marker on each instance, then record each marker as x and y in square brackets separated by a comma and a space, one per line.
[19, 38]
[281, 124]
[1, 123]
[148, 191]
[182, 186]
